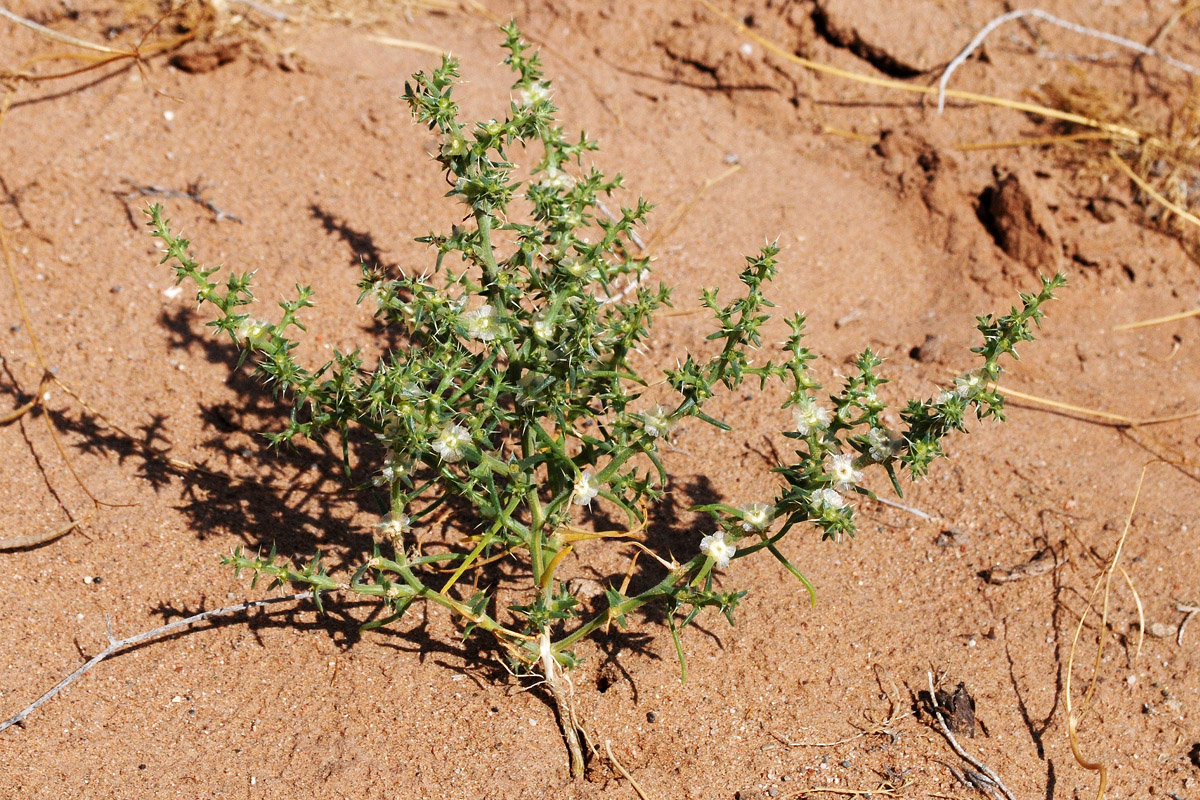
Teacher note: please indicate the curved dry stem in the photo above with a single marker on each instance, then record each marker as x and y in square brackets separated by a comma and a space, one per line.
[1082, 30]
[1146, 323]
[1102, 417]
[1103, 586]
[62, 38]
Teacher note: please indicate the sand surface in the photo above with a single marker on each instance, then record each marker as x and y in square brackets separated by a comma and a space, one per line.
[893, 237]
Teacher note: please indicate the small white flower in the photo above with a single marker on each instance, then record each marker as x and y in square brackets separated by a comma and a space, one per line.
[451, 442]
[253, 332]
[586, 489]
[715, 547]
[828, 498]
[810, 417]
[965, 385]
[481, 323]
[454, 146]
[574, 266]
[845, 476]
[393, 469]
[944, 397]
[881, 444]
[536, 94]
[543, 328]
[657, 422]
[555, 178]
[757, 516]
[394, 525]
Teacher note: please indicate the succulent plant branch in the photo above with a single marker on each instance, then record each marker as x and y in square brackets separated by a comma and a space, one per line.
[517, 393]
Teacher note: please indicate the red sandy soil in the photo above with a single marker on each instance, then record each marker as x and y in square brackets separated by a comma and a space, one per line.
[299, 131]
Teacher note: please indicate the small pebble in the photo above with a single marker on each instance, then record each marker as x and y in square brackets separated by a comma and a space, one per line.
[846, 763]
[773, 792]
[1162, 630]
[652, 717]
[115, 289]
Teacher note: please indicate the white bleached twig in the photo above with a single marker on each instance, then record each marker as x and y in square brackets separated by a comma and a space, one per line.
[1082, 30]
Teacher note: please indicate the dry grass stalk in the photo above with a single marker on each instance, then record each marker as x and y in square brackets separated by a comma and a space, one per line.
[1103, 588]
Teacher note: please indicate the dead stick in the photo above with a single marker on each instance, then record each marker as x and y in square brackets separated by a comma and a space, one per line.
[1191, 612]
[1062, 23]
[117, 645]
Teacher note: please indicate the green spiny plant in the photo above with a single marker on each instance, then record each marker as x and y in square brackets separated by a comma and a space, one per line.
[516, 395]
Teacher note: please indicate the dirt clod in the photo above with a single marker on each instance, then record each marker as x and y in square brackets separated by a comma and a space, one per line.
[1020, 222]
[958, 709]
[200, 57]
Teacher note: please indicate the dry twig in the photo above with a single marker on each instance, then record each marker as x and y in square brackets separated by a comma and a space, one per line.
[1062, 23]
[117, 645]
[624, 772]
[982, 768]
[1191, 611]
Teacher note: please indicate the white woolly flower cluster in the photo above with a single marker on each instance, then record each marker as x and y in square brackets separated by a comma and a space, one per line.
[543, 328]
[845, 476]
[810, 416]
[586, 489]
[253, 332]
[715, 547]
[757, 516]
[882, 445]
[481, 323]
[393, 469]
[828, 499]
[451, 443]
[536, 94]
[394, 525]
[657, 422]
[556, 179]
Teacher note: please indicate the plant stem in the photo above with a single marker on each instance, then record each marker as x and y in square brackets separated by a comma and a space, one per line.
[562, 691]
[660, 589]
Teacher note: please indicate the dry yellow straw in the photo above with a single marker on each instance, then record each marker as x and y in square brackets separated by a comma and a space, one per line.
[408, 44]
[1118, 420]
[1035, 141]
[1145, 187]
[1146, 323]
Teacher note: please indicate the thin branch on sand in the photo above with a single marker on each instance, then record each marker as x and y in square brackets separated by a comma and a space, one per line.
[1082, 30]
[117, 645]
[983, 769]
